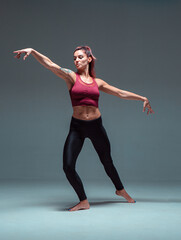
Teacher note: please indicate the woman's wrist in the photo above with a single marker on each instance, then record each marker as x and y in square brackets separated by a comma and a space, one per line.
[144, 99]
[32, 51]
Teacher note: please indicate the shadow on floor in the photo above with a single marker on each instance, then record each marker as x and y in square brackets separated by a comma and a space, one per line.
[101, 202]
[92, 204]
[138, 200]
[62, 205]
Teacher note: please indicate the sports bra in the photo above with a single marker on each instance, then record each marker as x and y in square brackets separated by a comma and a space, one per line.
[84, 94]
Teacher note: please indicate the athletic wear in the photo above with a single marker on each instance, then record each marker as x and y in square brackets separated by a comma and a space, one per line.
[84, 94]
[94, 130]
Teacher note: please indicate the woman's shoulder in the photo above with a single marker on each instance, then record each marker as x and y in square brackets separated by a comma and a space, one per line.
[99, 81]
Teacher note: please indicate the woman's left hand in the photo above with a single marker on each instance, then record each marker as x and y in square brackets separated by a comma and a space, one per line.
[146, 104]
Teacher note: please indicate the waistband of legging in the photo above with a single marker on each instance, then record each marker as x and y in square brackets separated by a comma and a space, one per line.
[99, 119]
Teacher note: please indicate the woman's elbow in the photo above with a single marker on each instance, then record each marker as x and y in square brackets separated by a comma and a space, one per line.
[121, 94]
[51, 66]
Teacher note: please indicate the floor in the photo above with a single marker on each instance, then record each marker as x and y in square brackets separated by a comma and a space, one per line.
[33, 210]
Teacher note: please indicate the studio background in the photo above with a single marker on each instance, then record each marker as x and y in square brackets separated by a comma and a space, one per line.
[137, 46]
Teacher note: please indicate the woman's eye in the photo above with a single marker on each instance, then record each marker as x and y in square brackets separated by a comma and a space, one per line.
[80, 57]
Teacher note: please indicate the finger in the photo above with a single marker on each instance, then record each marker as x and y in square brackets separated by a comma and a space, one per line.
[26, 55]
[148, 106]
[143, 108]
[17, 56]
[18, 53]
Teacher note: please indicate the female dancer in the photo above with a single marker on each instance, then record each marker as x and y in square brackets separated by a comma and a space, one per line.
[86, 120]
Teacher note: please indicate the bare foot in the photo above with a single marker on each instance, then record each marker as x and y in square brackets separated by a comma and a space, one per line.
[124, 194]
[82, 205]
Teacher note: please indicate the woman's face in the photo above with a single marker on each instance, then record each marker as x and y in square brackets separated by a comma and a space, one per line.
[81, 60]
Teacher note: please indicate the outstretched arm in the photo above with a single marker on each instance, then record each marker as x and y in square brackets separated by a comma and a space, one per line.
[105, 87]
[64, 73]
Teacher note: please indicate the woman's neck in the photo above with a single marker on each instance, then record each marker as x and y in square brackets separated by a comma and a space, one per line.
[84, 73]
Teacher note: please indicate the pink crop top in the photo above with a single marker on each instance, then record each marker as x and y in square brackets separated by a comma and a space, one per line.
[84, 94]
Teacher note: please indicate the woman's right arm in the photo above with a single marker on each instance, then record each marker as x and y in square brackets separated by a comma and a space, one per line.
[63, 73]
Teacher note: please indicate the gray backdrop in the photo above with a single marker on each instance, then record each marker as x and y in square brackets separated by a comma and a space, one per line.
[137, 45]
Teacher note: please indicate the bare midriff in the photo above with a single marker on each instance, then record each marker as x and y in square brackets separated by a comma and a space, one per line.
[86, 112]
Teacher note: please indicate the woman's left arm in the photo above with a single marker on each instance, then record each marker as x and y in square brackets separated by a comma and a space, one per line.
[105, 87]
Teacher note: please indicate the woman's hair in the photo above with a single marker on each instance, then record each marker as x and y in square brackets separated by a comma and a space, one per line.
[88, 52]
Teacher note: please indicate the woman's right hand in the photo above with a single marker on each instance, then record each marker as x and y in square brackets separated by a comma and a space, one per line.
[27, 52]
[146, 104]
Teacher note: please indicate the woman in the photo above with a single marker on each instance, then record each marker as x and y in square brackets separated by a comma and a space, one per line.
[86, 120]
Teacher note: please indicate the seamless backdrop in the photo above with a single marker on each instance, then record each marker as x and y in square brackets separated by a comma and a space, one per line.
[137, 45]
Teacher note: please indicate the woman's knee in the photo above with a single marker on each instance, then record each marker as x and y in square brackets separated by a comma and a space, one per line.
[68, 168]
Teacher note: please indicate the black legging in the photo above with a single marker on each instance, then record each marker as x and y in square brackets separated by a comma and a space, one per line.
[79, 130]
